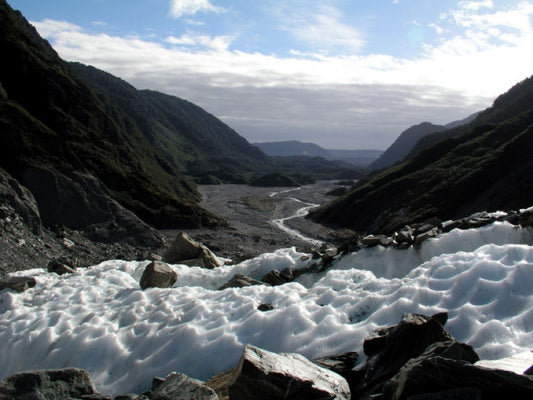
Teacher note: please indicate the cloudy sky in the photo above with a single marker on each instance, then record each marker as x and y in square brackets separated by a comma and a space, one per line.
[345, 74]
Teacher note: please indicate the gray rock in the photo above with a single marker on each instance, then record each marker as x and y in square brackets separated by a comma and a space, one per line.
[185, 250]
[239, 281]
[263, 375]
[180, 386]
[158, 274]
[18, 283]
[47, 385]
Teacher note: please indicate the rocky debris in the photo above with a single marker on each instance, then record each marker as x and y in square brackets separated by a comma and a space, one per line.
[63, 265]
[185, 250]
[239, 281]
[180, 386]
[158, 274]
[18, 283]
[276, 277]
[261, 374]
[57, 384]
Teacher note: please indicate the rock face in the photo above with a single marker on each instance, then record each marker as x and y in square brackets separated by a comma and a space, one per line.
[158, 274]
[180, 386]
[21, 200]
[81, 201]
[47, 384]
[185, 250]
[265, 375]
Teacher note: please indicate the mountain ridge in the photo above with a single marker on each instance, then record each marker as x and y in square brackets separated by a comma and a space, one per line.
[485, 168]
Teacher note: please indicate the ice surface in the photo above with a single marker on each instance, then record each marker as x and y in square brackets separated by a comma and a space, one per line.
[100, 320]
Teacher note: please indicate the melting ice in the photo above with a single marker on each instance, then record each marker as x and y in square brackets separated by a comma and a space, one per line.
[100, 320]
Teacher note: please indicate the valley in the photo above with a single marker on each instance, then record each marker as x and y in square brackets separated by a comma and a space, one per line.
[254, 215]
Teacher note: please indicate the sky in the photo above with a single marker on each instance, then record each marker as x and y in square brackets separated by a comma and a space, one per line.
[344, 74]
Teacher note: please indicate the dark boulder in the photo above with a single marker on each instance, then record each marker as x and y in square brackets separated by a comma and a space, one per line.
[438, 374]
[62, 265]
[392, 347]
[276, 277]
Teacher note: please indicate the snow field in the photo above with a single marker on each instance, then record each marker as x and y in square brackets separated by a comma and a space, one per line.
[100, 320]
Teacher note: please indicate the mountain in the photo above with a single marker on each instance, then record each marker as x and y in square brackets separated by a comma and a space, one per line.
[489, 167]
[405, 142]
[293, 148]
[455, 128]
[62, 122]
[358, 158]
[415, 138]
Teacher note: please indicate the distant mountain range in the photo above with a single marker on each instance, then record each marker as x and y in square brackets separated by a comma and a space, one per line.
[289, 148]
[484, 165]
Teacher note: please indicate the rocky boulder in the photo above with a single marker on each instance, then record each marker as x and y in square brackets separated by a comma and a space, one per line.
[185, 250]
[261, 374]
[158, 274]
[57, 384]
[180, 386]
[390, 348]
[62, 265]
[18, 283]
[239, 281]
[429, 378]
[276, 277]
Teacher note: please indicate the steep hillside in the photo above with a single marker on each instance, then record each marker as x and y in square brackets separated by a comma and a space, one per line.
[187, 137]
[59, 119]
[488, 167]
[403, 145]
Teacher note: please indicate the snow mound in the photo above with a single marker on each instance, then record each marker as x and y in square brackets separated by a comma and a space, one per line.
[100, 320]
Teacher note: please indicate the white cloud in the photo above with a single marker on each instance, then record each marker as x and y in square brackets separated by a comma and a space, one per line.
[476, 5]
[218, 43]
[179, 8]
[352, 101]
[321, 28]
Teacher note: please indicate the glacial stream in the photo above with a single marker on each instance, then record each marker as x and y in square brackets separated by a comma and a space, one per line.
[301, 212]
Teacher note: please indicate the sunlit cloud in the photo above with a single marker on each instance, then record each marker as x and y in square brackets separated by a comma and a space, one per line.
[179, 8]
